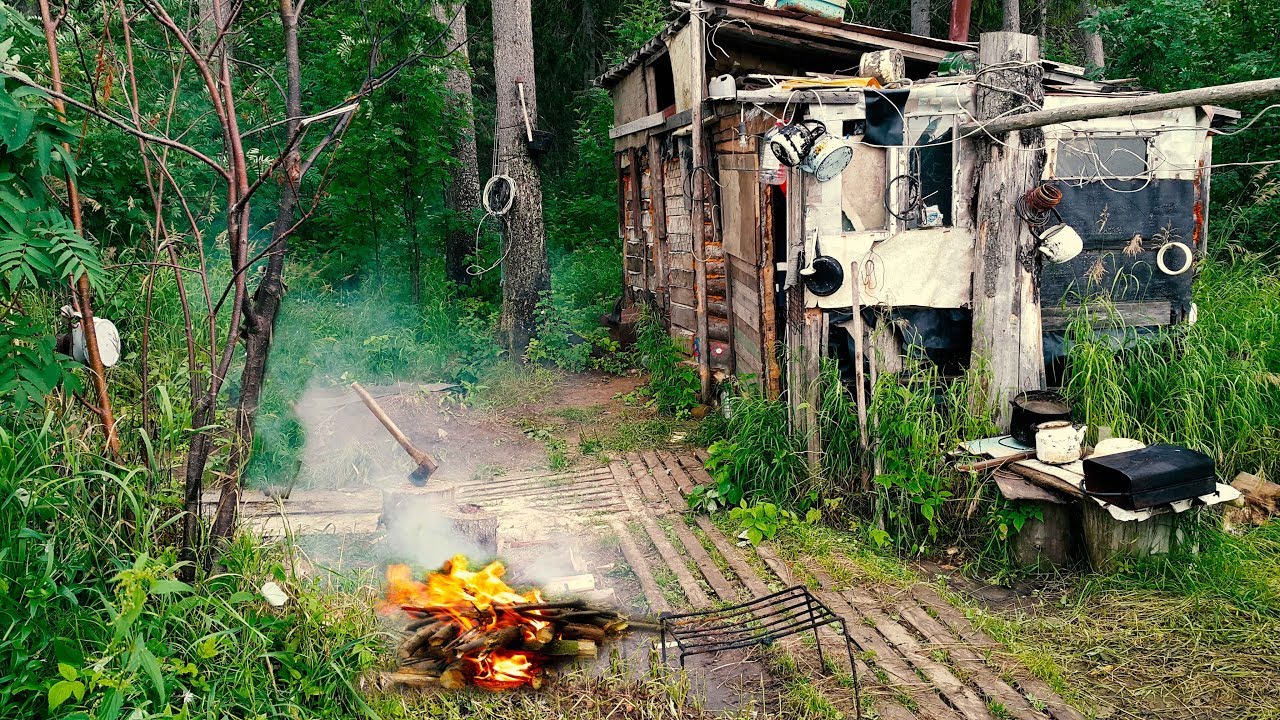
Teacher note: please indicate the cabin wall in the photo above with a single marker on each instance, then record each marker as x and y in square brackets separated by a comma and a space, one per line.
[1129, 202]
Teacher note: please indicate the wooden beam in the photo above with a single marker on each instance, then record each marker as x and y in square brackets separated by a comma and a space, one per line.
[1006, 305]
[1218, 94]
[698, 63]
[635, 126]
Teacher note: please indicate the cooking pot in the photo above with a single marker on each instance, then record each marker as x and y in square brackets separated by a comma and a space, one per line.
[1033, 407]
[828, 158]
[791, 143]
[1061, 243]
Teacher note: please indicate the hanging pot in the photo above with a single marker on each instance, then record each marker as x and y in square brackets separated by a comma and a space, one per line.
[824, 275]
[792, 143]
[1061, 243]
[828, 158]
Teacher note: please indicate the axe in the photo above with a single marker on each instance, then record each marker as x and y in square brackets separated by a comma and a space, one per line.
[426, 463]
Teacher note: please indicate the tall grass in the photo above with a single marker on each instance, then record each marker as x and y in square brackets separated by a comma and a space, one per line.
[93, 621]
[918, 417]
[1213, 386]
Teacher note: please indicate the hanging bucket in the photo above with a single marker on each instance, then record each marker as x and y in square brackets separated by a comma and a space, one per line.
[828, 158]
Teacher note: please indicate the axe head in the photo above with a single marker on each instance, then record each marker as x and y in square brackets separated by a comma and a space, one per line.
[419, 476]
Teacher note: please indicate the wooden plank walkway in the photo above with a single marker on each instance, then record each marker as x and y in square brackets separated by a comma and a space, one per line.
[920, 656]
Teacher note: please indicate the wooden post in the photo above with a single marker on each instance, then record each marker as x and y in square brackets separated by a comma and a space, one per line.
[859, 370]
[697, 214]
[1006, 303]
[960, 12]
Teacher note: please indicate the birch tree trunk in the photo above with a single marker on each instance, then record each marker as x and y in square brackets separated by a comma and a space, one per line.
[1012, 16]
[462, 194]
[920, 17]
[525, 274]
[1094, 56]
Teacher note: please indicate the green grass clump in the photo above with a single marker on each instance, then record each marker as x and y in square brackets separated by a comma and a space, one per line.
[1213, 386]
[95, 622]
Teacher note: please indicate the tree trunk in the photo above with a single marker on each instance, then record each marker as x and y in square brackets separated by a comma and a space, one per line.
[260, 316]
[1006, 304]
[1012, 16]
[1094, 57]
[83, 291]
[462, 195]
[1042, 19]
[525, 274]
[920, 17]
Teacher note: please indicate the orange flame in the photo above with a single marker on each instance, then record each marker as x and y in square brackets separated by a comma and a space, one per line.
[478, 601]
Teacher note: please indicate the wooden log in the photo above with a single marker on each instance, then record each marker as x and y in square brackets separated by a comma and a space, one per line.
[457, 676]
[1006, 303]
[414, 642]
[571, 648]
[578, 631]
[1107, 541]
[444, 635]
[397, 680]
[1215, 95]
[1044, 479]
[478, 525]
[500, 638]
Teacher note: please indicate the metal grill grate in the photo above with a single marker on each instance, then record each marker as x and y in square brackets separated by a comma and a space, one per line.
[761, 621]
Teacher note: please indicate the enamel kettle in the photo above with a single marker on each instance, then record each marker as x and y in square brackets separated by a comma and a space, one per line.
[1058, 442]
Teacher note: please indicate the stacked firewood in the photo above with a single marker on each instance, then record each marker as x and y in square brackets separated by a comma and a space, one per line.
[501, 645]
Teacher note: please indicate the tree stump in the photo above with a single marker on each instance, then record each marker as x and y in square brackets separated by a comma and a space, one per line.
[415, 522]
[477, 524]
[407, 502]
[1049, 542]
[1107, 540]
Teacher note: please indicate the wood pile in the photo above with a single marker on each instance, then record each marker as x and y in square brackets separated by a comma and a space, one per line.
[500, 646]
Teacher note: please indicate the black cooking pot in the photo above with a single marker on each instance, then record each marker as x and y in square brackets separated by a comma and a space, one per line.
[1033, 407]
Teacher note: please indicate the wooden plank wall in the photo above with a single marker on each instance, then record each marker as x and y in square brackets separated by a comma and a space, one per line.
[679, 245]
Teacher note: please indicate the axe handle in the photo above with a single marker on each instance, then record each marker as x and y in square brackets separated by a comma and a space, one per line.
[419, 456]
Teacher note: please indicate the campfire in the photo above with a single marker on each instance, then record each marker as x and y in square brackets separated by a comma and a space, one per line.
[471, 628]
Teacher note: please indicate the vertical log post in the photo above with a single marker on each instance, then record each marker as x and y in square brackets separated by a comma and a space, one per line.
[1006, 302]
[697, 221]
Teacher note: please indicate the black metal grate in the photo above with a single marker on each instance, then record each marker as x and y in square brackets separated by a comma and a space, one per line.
[761, 621]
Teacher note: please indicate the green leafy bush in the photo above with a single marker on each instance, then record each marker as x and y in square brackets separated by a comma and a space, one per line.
[673, 383]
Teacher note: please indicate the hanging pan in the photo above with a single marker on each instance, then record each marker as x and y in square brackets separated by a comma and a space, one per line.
[824, 275]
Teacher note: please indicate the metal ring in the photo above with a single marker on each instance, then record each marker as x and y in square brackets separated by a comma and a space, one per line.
[1164, 268]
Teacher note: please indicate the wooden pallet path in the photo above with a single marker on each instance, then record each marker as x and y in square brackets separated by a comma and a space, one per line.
[919, 654]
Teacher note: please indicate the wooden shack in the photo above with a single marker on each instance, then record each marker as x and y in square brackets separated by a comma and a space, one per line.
[719, 236]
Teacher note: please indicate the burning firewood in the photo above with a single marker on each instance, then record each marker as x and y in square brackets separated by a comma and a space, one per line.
[471, 628]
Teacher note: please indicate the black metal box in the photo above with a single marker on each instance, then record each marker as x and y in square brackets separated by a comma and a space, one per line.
[1154, 475]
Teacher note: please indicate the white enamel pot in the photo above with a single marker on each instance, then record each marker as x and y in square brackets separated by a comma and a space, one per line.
[1061, 243]
[1058, 442]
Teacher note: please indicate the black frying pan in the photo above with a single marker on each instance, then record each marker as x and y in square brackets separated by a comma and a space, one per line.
[825, 276]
